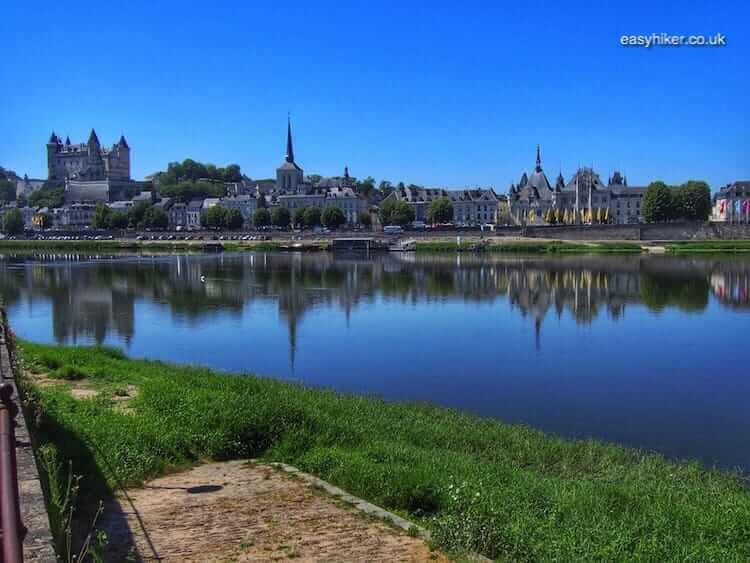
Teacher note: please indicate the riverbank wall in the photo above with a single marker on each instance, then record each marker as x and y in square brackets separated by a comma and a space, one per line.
[646, 232]
[37, 542]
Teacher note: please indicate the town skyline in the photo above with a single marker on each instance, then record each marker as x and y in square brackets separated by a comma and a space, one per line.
[436, 96]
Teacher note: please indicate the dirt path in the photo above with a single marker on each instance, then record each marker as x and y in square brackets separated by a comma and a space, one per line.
[240, 511]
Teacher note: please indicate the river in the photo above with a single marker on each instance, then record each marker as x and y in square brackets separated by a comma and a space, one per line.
[645, 351]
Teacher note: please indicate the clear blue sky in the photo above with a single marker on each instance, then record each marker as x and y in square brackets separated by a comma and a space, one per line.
[445, 94]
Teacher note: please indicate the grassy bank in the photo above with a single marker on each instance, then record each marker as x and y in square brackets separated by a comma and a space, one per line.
[708, 246]
[505, 491]
[133, 245]
[528, 246]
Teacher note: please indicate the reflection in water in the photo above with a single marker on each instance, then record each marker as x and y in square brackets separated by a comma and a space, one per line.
[642, 350]
[92, 297]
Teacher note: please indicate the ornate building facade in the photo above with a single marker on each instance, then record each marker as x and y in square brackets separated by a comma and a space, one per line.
[583, 199]
[87, 161]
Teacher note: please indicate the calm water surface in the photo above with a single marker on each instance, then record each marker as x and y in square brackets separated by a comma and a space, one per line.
[644, 351]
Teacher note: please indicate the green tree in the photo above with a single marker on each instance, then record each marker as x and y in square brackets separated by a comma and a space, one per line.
[365, 219]
[396, 213]
[190, 170]
[13, 222]
[7, 190]
[216, 217]
[102, 216]
[280, 217]
[298, 219]
[332, 217]
[694, 200]
[234, 219]
[658, 203]
[440, 210]
[261, 218]
[118, 220]
[137, 213]
[366, 187]
[155, 218]
[49, 195]
[312, 217]
[190, 189]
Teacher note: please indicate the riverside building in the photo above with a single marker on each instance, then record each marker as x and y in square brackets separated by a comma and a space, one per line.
[583, 199]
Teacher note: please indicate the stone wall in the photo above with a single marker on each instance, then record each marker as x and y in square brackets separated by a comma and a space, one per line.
[660, 231]
[37, 545]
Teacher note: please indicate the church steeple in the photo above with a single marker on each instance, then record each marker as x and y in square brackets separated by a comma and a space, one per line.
[93, 139]
[538, 159]
[289, 147]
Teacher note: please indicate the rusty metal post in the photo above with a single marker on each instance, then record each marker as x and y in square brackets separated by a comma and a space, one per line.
[10, 513]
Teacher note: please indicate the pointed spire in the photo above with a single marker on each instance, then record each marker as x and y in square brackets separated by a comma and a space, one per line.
[289, 147]
[123, 142]
[346, 172]
[93, 138]
[67, 141]
[538, 159]
[52, 139]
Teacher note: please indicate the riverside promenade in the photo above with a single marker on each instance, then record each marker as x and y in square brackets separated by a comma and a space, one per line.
[37, 541]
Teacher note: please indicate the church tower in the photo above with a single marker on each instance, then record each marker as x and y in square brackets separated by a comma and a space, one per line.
[289, 176]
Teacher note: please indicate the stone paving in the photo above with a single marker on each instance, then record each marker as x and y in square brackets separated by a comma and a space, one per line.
[37, 544]
[243, 511]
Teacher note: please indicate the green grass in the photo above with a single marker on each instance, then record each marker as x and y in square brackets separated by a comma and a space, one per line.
[529, 247]
[709, 246]
[150, 246]
[505, 491]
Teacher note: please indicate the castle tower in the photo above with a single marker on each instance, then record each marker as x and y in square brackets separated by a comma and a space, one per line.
[120, 165]
[53, 147]
[94, 148]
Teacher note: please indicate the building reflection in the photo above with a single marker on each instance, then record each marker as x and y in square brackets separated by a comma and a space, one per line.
[95, 297]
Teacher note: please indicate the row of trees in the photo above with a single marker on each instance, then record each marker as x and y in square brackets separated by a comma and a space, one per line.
[401, 213]
[189, 189]
[218, 217]
[141, 216]
[330, 217]
[690, 201]
[190, 170]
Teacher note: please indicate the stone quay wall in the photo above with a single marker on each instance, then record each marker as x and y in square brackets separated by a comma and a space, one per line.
[37, 544]
[645, 232]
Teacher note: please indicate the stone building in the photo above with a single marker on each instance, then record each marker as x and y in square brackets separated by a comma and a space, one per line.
[584, 198]
[289, 176]
[246, 204]
[470, 207]
[731, 204]
[87, 161]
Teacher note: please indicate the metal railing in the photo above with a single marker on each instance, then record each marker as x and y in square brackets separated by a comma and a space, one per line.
[11, 528]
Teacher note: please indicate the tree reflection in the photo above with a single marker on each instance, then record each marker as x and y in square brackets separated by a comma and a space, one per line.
[92, 297]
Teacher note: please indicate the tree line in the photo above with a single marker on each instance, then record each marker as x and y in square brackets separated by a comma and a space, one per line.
[690, 201]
